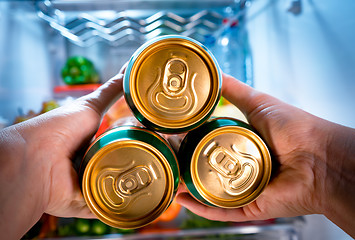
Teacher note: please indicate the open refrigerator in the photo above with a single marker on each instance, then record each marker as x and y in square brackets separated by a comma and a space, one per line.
[37, 38]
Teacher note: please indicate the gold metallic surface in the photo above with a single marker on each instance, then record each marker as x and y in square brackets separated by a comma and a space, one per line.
[230, 167]
[128, 184]
[174, 83]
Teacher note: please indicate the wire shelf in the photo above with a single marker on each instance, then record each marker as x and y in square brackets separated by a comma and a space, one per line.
[118, 22]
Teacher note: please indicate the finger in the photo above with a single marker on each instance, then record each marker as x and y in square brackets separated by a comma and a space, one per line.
[101, 99]
[264, 112]
[175, 141]
[237, 93]
[77, 209]
[181, 189]
[212, 213]
[246, 98]
[82, 211]
[85, 212]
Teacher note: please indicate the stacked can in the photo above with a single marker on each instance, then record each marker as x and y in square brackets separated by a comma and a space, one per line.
[172, 84]
[130, 174]
[224, 163]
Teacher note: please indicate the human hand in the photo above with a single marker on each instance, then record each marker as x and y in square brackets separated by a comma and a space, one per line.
[36, 156]
[300, 144]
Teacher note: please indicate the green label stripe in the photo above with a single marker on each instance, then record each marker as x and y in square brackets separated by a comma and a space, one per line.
[190, 143]
[139, 134]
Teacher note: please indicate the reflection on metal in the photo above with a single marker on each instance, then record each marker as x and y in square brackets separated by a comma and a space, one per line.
[118, 189]
[172, 84]
[172, 97]
[237, 171]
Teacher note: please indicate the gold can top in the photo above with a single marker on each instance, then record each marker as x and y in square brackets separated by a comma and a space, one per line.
[128, 184]
[230, 166]
[174, 83]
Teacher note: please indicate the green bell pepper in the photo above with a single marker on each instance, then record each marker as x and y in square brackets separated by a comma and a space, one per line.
[79, 70]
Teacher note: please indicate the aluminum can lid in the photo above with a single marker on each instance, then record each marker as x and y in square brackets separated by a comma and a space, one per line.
[127, 182]
[172, 84]
[230, 164]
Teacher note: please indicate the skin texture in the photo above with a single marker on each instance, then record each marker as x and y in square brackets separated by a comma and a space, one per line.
[316, 161]
[36, 173]
[316, 157]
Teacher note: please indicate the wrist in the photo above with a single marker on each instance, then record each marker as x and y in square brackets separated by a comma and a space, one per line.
[339, 190]
[21, 179]
[37, 172]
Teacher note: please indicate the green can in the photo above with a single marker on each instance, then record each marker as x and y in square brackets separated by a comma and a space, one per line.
[129, 176]
[224, 163]
[172, 84]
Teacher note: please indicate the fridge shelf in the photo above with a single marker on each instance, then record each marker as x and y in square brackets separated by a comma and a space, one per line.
[276, 229]
[120, 22]
[108, 32]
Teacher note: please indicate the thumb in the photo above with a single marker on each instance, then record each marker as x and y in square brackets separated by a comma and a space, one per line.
[253, 104]
[106, 95]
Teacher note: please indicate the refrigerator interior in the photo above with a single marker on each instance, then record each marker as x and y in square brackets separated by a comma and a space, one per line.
[37, 37]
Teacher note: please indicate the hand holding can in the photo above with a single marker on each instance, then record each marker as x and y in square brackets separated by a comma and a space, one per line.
[129, 176]
[224, 163]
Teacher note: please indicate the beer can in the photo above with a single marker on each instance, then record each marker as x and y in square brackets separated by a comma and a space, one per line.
[172, 84]
[224, 163]
[129, 176]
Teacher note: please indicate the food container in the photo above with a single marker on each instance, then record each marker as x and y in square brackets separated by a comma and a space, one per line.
[224, 163]
[172, 84]
[129, 176]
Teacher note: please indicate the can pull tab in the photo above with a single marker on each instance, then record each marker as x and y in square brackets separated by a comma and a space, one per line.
[118, 188]
[236, 170]
[175, 74]
[134, 180]
[175, 92]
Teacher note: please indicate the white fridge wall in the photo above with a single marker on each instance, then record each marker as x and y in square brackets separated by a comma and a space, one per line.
[25, 78]
[307, 60]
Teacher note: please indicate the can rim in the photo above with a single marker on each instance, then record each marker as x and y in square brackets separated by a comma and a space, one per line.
[263, 181]
[133, 223]
[143, 115]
